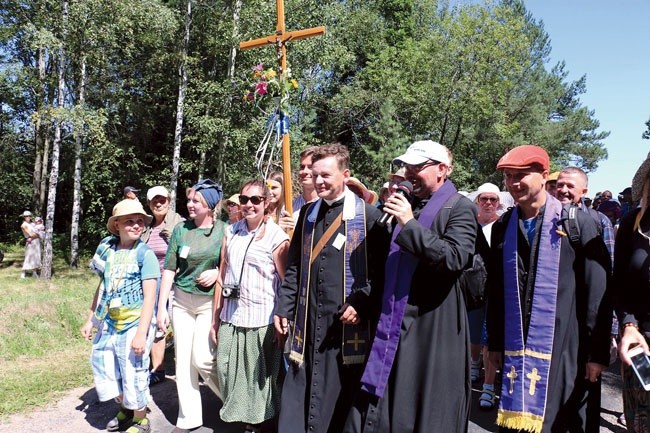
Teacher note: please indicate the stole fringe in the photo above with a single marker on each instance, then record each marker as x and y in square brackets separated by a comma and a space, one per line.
[520, 421]
[297, 357]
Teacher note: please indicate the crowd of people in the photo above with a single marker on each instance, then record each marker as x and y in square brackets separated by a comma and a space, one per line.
[351, 314]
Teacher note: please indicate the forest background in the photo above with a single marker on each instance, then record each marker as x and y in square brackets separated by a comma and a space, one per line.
[96, 95]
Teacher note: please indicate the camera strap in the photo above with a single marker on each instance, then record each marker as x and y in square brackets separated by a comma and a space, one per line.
[243, 262]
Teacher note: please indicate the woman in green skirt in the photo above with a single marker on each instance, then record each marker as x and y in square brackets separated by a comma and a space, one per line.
[249, 354]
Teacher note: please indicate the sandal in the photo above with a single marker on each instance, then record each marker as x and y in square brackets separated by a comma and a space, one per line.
[121, 421]
[487, 399]
[141, 426]
[475, 372]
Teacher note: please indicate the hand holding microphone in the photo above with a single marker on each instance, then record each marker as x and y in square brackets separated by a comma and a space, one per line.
[398, 205]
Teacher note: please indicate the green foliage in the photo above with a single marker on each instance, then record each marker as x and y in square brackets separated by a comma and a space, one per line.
[473, 77]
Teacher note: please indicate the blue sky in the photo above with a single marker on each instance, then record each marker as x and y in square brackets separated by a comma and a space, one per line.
[607, 41]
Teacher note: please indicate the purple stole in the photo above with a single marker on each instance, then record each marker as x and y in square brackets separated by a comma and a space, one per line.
[400, 267]
[526, 365]
[355, 337]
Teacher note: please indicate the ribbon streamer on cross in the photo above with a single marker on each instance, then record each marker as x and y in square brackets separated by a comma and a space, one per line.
[280, 39]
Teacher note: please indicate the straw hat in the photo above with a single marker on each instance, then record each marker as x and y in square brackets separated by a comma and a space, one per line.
[639, 179]
[126, 207]
[360, 189]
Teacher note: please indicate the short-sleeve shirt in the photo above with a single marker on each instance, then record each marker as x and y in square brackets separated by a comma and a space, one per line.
[191, 251]
[122, 277]
[260, 280]
[158, 244]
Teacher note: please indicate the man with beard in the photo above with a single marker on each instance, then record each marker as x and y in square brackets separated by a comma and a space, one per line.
[548, 314]
[417, 378]
[336, 256]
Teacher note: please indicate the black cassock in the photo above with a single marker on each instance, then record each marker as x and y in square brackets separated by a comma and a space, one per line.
[582, 320]
[317, 396]
[429, 384]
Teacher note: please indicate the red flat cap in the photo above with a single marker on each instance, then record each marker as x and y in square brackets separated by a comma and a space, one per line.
[523, 157]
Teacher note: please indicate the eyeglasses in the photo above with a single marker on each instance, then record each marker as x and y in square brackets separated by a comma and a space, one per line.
[490, 199]
[419, 167]
[255, 199]
[231, 204]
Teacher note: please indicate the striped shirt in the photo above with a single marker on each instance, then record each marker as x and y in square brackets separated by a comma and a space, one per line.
[158, 244]
[259, 280]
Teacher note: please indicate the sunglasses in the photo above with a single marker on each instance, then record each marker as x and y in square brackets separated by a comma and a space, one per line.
[231, 204]
[255, 199]
[490, 199]
[419, 167]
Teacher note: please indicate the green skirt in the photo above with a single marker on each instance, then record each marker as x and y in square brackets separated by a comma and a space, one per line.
[249, 373]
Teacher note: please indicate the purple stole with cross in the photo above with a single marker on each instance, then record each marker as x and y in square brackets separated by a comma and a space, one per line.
[400, 267]
[526, 365]
[355, 271]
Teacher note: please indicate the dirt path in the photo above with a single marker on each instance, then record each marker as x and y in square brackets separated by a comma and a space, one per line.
[81, 412]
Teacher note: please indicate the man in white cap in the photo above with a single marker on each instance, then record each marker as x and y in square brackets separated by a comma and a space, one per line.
[417, 374]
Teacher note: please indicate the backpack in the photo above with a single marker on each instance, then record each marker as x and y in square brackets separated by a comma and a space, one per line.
[569, 220]
[473, 279]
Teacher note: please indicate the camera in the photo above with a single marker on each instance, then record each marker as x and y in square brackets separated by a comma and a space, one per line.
[230, 291]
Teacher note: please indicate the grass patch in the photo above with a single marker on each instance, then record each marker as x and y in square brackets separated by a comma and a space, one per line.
[42, 353]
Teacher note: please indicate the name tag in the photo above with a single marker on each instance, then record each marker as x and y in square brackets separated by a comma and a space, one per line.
[115, 303]
[339, 241]
[184, 252]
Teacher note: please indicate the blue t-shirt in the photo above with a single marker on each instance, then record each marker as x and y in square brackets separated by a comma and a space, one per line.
[121, 302]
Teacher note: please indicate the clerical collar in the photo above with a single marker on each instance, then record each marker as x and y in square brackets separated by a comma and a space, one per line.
[331, 202]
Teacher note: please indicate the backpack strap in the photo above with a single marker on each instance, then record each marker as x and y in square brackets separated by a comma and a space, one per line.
[570, 224]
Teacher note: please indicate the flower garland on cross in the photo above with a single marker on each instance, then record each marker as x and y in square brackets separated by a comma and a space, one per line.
[270, 92]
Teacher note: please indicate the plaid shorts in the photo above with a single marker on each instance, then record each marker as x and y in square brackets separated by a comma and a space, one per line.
[117, 370]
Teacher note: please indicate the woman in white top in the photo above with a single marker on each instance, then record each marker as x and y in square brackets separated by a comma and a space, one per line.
[32, 246]
[249, 354]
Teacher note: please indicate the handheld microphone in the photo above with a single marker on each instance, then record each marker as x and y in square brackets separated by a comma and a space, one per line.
[404, 188]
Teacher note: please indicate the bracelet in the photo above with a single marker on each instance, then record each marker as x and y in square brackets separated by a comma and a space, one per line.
[628, 325]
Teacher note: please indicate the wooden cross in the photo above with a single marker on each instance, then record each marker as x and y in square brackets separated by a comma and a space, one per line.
[512, 376]
[357, 341]
[280, 39]
[534, 377]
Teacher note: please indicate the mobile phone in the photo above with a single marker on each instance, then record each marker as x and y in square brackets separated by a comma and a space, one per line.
[641, 366]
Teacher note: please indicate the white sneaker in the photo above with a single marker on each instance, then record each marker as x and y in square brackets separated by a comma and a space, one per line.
[22, 275]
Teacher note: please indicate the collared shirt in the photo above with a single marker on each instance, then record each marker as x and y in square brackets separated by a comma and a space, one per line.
[607, 229]
[259, 279]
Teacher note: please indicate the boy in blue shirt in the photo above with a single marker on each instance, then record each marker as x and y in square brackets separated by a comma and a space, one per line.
[123, 310]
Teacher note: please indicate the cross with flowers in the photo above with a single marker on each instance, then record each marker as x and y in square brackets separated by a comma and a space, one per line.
[280, 39]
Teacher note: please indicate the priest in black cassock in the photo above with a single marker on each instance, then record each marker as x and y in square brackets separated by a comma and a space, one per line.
[336, 257]
[549, 315]
[417, 377]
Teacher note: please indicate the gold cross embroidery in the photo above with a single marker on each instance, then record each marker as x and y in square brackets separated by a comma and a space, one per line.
[357, 341]
[298, 337]
[534, 377]
[512, 376]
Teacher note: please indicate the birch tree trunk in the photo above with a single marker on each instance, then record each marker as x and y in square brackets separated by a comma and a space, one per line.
[46, 271]
[231, 74]
[39, 132]
[182, 89]
[76, 194]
